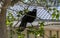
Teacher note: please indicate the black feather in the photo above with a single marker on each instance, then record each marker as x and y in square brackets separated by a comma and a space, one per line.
[29, 17]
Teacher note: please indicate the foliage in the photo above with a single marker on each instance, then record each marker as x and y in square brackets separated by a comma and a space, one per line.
[55, 13]
[37, 31]
[20, 13]
[9, 22]
[34, 30]
[20, 35]
[9, 19]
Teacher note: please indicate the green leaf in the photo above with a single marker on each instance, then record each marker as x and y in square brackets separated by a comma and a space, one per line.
[49, 9]
[57, 11]
[26, 10]
[53, 15]
[57, 16]
[7, 22]
[38, 1]
[20, 12]
[18, 15]
[21, 36]
[54, 9]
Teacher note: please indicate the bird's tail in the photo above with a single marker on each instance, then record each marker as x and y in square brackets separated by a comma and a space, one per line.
[22, 26]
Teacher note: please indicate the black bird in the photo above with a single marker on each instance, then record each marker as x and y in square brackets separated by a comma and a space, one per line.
[29, 17]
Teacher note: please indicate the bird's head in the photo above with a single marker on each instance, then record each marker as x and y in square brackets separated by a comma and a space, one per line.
[34, 10]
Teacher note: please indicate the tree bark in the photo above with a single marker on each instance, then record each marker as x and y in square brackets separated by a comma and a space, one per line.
[3, 29]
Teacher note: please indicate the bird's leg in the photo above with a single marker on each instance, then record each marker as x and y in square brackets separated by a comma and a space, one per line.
[31, 25]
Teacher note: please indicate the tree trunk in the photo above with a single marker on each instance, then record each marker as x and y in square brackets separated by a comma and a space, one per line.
[3, 29]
